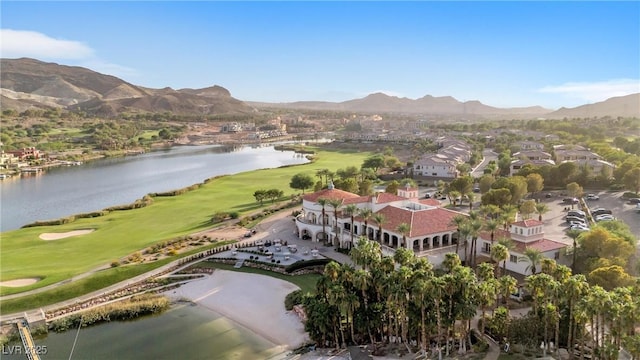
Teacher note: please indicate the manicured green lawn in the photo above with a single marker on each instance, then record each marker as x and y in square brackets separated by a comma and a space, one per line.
[306, 282]
[23, 254]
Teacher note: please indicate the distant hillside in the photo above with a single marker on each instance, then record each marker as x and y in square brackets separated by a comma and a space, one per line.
[382, 103]
[625, 106]
[28, 83]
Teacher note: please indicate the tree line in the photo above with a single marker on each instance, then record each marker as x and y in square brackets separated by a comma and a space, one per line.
[403, 300]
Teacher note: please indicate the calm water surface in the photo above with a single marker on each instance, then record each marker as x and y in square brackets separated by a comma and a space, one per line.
[184, 332]
[64, 191]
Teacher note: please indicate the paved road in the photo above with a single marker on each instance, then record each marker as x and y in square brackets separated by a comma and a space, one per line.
[488, 155]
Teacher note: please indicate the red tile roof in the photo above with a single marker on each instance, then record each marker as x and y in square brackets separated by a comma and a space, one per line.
[543, 245]
[382, 198]
[330, 194]
[527, 223]
[430, 202]
[422, 222]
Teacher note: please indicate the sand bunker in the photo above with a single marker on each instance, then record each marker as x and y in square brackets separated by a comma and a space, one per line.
[58, 236]
[19, 282]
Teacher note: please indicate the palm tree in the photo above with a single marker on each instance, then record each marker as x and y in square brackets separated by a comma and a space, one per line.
[486, 295]
[507, 285]
[532, 256]
[335, 204]
[491, 226]
[362, 281]
[404, 229]
[507, 243]
[464, 230]
[451, 261]
[575, 288]
[573, 234]
[453, 197]
[366, 214]
[471, 197]
[541, 208]
[476, 226]
[350, 210]
[499, 253]
[379, 219]
[323, 202]
[421, 292]
[458, 220]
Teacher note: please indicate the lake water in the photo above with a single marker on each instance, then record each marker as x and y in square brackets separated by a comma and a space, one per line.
[95, 185]
[184, 332]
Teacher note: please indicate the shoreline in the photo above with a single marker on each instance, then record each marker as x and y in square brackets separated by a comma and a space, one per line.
[253, 301]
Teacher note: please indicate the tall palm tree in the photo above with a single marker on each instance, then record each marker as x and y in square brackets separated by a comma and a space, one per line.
[380, 219]
[335, 204]
[471, 197]
[486, 295]
[500, 253]
[575, 289]
[350, 210]
[491, 226]
[458, 220]
[475, 226]
[573, 234]
[508, 243]
[533, 257]
[365, 214]
[323, 202]
[404, 229]
[541, 208]
[507, 285]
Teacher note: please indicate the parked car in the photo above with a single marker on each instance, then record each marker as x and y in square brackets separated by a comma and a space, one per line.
[476, 189]
[579, 213]
[634, 201]
[574, 218]
[600, 211]
[579, 227]
[604, 217]
[592, 197]
[427, 196]
[548, 195]
[570, 200]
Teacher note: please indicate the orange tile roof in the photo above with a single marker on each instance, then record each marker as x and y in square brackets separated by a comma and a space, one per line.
[527, 223]
[422, 222]
[430, 202]
[543, 245]
[330, 194]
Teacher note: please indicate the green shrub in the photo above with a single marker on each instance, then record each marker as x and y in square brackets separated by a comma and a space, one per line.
[301, 264]
[234, 214]
[293, 298]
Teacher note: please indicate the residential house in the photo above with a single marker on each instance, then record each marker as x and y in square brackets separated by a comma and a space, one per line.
[436, 165]
[530, 145]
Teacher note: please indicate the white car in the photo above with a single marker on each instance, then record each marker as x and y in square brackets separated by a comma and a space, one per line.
[580, 227]
[593, 197]
[604, 217]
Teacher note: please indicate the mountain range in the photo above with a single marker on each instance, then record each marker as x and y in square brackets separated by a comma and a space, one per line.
[28, 83]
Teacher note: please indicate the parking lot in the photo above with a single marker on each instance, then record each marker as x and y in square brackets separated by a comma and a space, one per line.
[555, 225]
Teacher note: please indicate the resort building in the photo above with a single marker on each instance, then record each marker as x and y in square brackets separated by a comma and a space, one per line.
[524, 234]
[420, 225]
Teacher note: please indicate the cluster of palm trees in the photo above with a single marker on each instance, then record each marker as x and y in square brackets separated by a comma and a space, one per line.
[405, 301]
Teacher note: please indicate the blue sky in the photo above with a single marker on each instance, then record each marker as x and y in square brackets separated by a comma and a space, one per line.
[503, 54]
